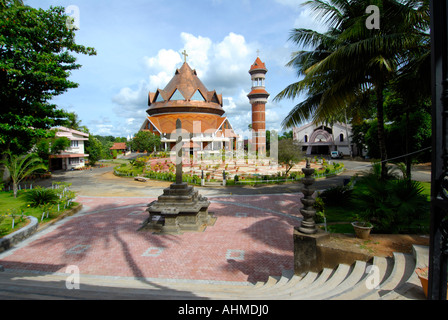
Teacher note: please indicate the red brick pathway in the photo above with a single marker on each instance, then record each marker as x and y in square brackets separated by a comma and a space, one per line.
[251, 240]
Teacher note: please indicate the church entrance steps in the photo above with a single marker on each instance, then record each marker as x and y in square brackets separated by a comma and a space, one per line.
[344, 282]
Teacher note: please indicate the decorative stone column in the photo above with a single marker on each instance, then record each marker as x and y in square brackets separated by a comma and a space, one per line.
[308, 225]
[180, 208]
[308, 254]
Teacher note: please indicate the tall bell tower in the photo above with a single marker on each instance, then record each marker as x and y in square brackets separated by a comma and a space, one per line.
[258, 98]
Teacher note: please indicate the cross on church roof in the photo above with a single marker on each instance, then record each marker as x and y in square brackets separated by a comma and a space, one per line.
[185, 55]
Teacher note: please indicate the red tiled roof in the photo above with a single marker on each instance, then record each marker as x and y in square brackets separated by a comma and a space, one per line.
[186, 83]
[258, 64]
[191, 122]
[190, 145]
[258, 91]
[68, 155]
[118, 146]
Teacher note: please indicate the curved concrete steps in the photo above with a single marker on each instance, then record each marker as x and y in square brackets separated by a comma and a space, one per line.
[380, 279]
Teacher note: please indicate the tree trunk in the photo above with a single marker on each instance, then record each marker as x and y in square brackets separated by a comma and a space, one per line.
[15, 188]
[346, 133]
[381, 134]
[408, 148]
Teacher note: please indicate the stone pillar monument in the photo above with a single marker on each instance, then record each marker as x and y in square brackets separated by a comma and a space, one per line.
[180, 208]
[307, 238]
[308, 225]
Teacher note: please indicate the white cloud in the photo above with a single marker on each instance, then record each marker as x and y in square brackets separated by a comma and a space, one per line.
[222, 66]
[131, 102]
[162, 67]
[232, 59]
[307, 20]
[130, 121]
[166, 60]
[104, 130]
[240, 123]
[238, 104]
[272, 117]
[291, 3]
[198, 49]
[131, 98]
[159, 81]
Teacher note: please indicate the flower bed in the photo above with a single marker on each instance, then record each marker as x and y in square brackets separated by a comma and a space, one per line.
[213, 170]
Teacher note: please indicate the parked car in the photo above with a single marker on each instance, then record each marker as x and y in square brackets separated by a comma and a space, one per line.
[336, 154]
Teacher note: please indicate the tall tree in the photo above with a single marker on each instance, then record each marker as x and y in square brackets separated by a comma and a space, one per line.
[36, 59]
[46, 147]
[94, 149]
[145, 141]
[351, 61]
[5, 3]
[289, 153]
[72, 121]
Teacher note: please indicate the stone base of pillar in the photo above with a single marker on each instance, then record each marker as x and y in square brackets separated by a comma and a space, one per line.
[307, 256]
[179, 209]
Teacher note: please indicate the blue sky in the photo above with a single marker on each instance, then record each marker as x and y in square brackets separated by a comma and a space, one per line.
[139, 45]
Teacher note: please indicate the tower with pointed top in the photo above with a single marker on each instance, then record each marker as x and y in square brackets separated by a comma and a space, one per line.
[258, 98]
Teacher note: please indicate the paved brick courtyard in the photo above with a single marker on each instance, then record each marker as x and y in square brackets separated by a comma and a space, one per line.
[251, 240]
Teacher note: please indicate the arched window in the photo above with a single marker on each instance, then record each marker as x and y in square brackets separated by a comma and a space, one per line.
[341, 137]
[305, 138]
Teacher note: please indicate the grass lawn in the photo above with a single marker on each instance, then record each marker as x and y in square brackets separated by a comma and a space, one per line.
[9, 204]
[426, 189]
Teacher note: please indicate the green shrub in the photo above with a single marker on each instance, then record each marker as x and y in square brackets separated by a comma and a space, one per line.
[319, 206]
[390, 205]
[391, 172]
[336, 196]
[40, 196]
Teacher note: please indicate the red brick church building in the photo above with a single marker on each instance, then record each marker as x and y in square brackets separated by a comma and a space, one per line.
[201, 111]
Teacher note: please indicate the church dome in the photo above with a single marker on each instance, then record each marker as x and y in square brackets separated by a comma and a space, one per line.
[185, 93]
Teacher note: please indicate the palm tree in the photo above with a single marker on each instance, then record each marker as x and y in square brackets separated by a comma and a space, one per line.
[350, 62]
[412, 85]
[21, 166]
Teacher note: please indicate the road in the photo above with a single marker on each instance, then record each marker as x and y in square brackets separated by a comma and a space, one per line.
[102, 182]
[419, 172]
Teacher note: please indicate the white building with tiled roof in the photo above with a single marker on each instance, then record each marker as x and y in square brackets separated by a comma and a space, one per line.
[322, 139]
[74, 157]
